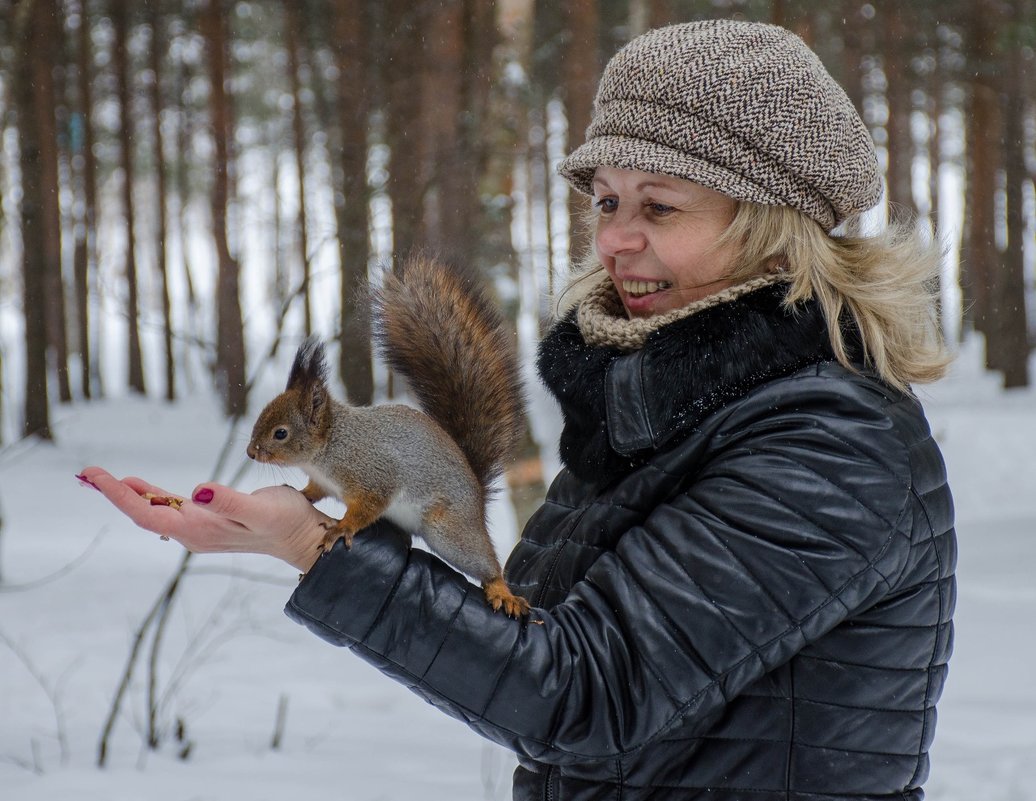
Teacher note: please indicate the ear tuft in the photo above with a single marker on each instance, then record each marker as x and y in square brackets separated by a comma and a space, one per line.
[310, 367]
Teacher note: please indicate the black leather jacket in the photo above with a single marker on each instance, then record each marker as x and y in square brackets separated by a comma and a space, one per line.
[744, 579]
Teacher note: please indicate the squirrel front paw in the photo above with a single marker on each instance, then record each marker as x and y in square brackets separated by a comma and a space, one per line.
[336, 531]
[500, 597]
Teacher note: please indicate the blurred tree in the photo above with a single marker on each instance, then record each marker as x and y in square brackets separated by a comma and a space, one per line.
[984, 124]
[28, 28]
[84, 169]
[400, 37]
[230, 337]
[898, 46]
[156, 46]
[295, 44]
[582, 68]
[1010, 331]
[120, 11]
[351, 25]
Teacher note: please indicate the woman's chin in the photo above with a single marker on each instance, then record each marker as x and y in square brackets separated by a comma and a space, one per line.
[647, 305]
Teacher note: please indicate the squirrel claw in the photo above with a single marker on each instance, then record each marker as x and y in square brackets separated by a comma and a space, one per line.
[501, 599]
[335, 532]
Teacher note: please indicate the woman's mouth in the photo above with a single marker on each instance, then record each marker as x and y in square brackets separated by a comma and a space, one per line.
[638, 289]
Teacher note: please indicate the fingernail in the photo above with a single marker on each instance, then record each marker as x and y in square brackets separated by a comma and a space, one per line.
[204, 495]
[86, 482]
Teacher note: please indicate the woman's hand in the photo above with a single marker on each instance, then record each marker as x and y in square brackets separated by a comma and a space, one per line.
[277, 521]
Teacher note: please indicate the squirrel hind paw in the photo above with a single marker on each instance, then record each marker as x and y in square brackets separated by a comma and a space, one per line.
[335, 532]
[501, 599]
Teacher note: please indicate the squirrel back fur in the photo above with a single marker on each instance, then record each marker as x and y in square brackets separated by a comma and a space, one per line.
[465, 376]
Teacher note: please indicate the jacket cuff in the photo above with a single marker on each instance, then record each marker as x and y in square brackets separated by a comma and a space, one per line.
[342, 596]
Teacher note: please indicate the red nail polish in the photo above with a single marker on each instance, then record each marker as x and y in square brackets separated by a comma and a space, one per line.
[86, 482]
[204, 495]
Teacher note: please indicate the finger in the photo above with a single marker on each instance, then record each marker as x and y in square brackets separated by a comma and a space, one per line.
[142, 487]
[223, 501]
[127, 498]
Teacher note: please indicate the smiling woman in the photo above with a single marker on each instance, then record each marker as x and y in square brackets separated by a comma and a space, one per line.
[656, 237]
[742, 581]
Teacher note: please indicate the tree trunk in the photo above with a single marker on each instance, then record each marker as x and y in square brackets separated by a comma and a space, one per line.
[581, 71]
[230, 339]
[120, 23]
[184, 129]
[351, 31]
[983, 127]
[293, 26]
[85, 167]
[406, 174]
[161, 232]
[45, 55]
[27, 32]
[853, 46]
[897, 48]
[1009, 306]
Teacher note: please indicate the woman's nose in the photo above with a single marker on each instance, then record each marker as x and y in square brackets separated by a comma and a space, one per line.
[618, 236]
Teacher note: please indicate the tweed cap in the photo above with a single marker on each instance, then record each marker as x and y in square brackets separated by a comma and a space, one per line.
[744, 108]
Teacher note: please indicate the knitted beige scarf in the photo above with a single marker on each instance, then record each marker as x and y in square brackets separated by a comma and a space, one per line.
[603, 321]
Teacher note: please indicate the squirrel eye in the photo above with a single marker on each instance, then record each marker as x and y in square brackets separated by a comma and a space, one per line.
[280, 433]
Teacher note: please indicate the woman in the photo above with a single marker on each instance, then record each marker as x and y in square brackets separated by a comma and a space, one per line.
[744, 574]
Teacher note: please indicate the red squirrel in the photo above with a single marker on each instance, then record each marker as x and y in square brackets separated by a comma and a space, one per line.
[427, 470]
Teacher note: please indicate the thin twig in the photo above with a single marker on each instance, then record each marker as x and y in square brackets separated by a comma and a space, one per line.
[52, 696]
[61, 571]
[138, 641]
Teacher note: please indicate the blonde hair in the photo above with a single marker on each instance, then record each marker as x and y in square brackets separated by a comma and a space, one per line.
[887, 282]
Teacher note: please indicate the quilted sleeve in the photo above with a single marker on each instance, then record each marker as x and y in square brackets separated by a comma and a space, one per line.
[794, 523]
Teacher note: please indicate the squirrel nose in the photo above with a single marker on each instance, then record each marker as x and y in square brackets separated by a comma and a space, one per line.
[251, 451]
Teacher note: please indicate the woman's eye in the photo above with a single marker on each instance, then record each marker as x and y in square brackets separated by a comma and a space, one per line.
[660, 209]
[280, 433]
[606, 205]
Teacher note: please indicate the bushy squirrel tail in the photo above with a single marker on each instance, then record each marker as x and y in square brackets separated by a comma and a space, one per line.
[437, 327]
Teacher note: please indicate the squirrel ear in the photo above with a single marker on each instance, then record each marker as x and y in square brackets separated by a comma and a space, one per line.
[318, 403]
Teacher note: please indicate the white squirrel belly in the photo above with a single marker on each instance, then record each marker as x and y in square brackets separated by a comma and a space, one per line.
[320, 477]
[405, 513]
[402, 511]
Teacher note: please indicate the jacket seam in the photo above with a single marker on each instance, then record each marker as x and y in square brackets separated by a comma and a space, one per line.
[500, 675]
[449, 631]
[935, 645]
[388, 599]
[647, 663]
[892, 524]
[790, 752]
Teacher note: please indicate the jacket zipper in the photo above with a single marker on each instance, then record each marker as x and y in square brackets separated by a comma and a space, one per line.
[548, 785]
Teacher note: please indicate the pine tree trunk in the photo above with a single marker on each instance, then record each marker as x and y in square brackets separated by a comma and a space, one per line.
[85, 256]
[27, 34]
[1011, 322]
[581, 71]
[45, 55]
[120, 24]
[230, 339]
[407, 175]
[293, 26]
[351, 27]
[161, 231]
[184, 128]
[897, 47]
[983, 126]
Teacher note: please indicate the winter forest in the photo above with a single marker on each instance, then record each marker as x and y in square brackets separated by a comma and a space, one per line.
[187, 189]
[185, 183]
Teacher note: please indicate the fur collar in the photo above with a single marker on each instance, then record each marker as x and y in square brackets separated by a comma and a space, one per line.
[620, 407]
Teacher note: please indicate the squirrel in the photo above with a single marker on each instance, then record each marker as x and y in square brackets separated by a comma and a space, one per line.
[428, 470]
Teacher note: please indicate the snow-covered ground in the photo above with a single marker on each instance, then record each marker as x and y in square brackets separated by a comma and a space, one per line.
[77, 580]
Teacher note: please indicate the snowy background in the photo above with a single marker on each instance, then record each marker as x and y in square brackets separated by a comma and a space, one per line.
[77, 580]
